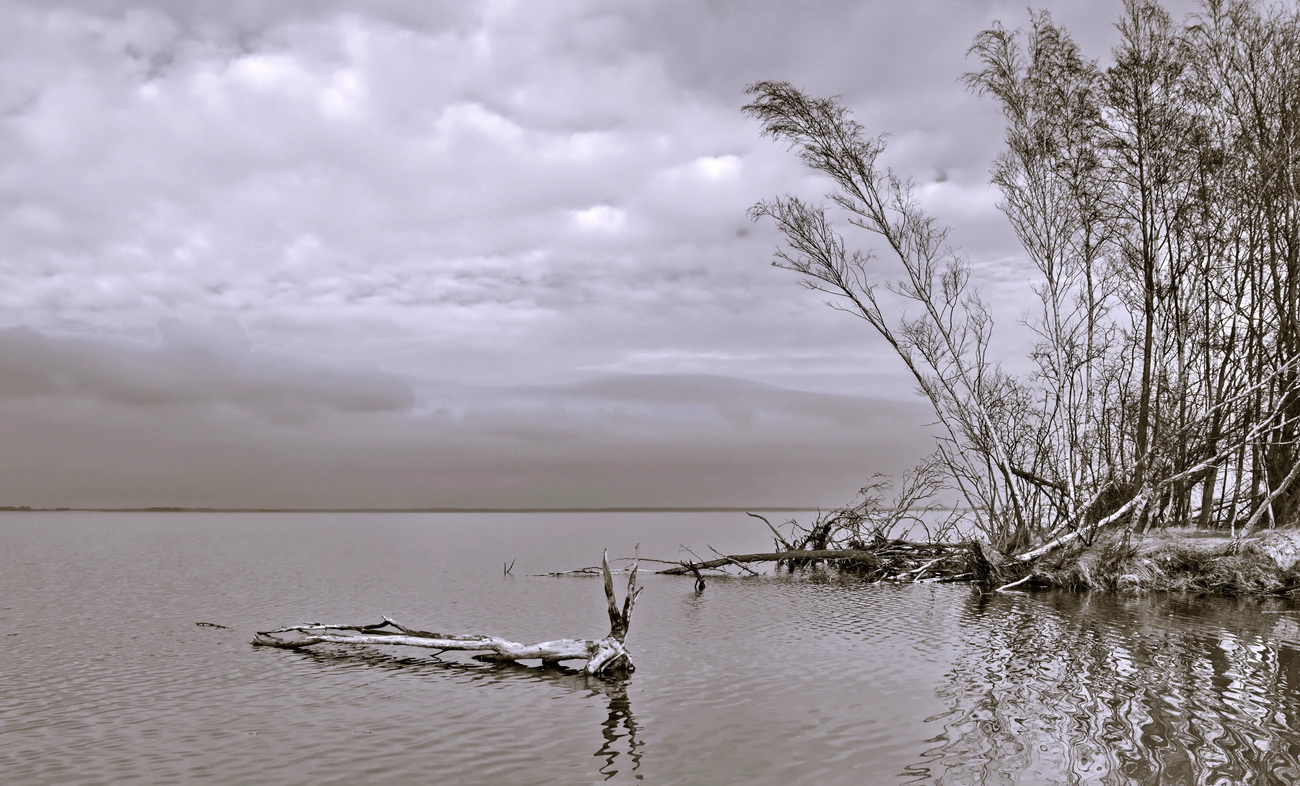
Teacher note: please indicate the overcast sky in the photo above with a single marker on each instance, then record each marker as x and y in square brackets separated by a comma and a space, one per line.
[487, 253]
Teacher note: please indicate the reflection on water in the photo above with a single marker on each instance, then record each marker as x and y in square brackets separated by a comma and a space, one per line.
[1071, 688]
[811, 678]
[620, 749]
[621, 732]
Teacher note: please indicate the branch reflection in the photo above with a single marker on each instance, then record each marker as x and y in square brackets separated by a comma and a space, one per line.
[1082, 688]
[620, 730]
[620, 749]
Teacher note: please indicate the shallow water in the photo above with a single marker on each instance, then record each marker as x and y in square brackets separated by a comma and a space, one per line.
[106, 678]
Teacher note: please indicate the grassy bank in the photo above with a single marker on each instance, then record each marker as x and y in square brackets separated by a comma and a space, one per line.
[1177, 560]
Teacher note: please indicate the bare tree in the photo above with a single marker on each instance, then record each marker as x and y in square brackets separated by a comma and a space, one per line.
[1158, 200]
[1057, 198]
[944, 341]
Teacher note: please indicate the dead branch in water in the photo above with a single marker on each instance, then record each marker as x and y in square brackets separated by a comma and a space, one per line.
[735, 562]
[769, 556]
[780, 540]
[895, 560]
[602, 656]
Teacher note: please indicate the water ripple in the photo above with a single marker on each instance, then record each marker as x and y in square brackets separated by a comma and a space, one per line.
[777, 679]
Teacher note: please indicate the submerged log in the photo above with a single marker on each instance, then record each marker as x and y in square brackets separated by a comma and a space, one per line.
[602, 656]
[771, 556]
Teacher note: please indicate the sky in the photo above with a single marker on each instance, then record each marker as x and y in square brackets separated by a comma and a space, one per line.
[490, 253]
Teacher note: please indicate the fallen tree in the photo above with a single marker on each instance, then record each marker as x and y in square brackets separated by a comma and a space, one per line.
[1182, 560]
[606, 656]
[769, 556]
[885, 560]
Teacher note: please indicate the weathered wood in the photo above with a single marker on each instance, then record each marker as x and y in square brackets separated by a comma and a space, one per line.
[602, 656]
[619, 620]
[772, 556]
[1009, 586]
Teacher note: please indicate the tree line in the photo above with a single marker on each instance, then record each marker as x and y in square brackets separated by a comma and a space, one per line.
[1157, 199]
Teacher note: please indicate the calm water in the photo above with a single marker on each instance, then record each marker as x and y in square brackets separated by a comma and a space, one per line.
[105, 678]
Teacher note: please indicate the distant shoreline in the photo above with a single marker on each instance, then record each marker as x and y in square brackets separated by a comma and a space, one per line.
[23, 509]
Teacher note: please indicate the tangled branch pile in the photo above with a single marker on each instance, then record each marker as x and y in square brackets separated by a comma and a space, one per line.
[895, 560]
[860, 539]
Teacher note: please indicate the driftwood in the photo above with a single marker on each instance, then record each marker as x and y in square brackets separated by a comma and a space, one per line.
[602, 656]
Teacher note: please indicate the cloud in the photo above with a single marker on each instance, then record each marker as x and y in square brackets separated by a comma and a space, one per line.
[599, 218]
[358, 170]
[432, 224]
[207, 368]
[201, 418]
[304, 160]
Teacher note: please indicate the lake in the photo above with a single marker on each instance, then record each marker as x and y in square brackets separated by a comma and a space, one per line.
[107, 678]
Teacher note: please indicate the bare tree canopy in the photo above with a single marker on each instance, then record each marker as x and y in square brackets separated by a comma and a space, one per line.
[1157, 200]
